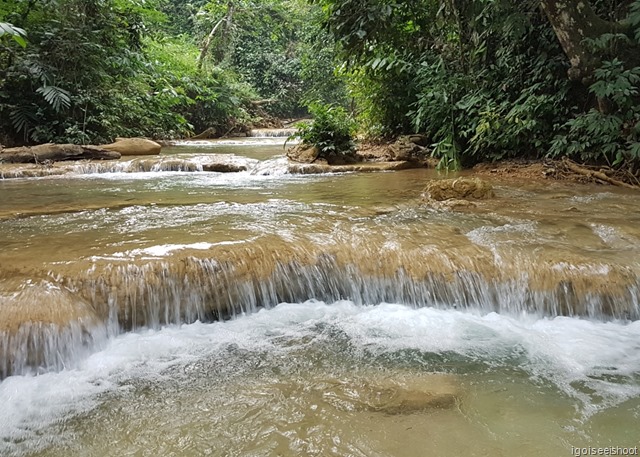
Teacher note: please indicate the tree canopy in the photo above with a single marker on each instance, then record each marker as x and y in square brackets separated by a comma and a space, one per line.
[482, 79]
[90, 70]
[492, 79]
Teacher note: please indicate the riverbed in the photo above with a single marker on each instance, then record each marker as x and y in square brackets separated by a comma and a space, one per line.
[149, 307]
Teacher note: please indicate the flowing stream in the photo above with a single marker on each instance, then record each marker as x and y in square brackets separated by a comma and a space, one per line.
[160, 306]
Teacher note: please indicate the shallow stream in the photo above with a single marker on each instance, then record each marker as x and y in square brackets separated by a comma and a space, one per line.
[148, 307]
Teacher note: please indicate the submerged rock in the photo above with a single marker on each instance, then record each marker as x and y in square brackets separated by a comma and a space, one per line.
[393, 396]
[134, 147]
[459, 189]
[223, 167]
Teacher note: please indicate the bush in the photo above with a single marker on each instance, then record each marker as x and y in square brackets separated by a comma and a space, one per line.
[331, 131]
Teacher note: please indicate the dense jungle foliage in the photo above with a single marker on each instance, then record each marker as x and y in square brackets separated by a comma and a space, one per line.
[489, 79]
[86, 71]
[483, 79]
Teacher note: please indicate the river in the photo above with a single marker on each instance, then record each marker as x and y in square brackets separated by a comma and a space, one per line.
[148, 307]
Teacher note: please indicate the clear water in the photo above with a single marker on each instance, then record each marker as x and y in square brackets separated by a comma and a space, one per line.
[308, 378]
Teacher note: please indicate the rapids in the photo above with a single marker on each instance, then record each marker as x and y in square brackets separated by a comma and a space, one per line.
[151, 307]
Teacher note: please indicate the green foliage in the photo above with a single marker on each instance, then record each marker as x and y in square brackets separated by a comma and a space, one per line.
[18, 34]
[611, 133]
[97, 70]
[486, 79]
[279, 48]
[331, 131]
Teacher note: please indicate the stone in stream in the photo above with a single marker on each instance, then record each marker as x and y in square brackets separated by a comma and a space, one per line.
[459, 189]
[221, 167]
[134, 147]
[362, 167]
[303, 153]
[393, 396]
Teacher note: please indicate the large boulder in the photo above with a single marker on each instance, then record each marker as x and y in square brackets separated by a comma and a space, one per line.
[134, 147]
[459, 189]
[409, 148]
[303, 153]
[48, 153]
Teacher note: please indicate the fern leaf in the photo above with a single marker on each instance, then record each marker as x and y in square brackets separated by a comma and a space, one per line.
[58, 98]
[21, 116]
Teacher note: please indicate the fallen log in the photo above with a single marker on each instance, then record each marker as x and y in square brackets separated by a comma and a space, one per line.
[55, 152]
[208, 133]
[574, 167]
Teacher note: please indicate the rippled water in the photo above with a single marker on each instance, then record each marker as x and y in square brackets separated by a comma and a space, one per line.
[110, 282]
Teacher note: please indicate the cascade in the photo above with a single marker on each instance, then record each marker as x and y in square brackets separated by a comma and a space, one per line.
[274, 299]
[223, 282]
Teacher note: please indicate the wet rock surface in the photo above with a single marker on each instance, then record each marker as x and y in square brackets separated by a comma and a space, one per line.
[134, 147]
[303, 153]
[393, 396]
[223, 167]
[459, 189]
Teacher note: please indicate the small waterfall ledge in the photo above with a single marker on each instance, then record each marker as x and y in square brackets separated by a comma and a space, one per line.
[50, 323]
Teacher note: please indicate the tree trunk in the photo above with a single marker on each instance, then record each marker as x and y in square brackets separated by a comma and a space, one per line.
[55, 152]
[228, 17]
[574, 21]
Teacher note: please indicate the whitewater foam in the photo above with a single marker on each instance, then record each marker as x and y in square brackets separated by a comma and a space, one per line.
[596, 363]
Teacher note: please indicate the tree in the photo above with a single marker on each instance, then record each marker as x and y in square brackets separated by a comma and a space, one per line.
[576, 24]
[487, 79]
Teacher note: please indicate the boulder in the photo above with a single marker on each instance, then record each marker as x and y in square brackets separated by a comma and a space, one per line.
[223, 167]
[134, 147]
[303, 153]
[407, 148]
[420, 140]
[459, 189]
[48, 153]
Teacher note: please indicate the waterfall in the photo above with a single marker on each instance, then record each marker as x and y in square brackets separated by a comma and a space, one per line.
[227, 282]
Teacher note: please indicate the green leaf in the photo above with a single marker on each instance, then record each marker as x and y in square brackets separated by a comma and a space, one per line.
[57, 97]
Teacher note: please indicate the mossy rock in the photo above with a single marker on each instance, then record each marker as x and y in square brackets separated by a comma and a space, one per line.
[459, 189]
[303, 153]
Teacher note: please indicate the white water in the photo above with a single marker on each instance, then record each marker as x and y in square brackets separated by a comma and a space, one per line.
[593, 365]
